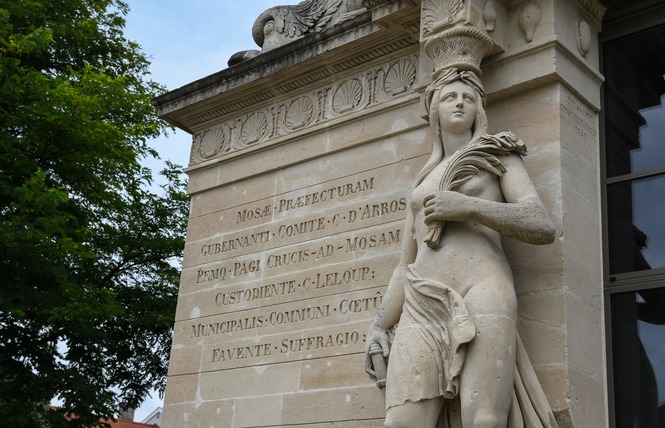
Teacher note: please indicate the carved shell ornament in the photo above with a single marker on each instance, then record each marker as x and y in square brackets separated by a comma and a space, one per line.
[400, 77]
[440, 13]
[348, 96]
[583, 37]
[254, 128]
[529, 20]
[211, 142]
[299, 113]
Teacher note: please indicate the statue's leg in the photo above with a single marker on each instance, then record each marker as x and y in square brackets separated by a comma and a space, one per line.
[486, 383]
[424, 413]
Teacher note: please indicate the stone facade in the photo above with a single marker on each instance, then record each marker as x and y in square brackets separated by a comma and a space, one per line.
[302, 161]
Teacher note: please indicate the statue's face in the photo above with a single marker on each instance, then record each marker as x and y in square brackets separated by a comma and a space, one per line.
[457, 107]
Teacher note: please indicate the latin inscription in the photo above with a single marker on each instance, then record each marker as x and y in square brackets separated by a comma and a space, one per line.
[236, 243]
[277, 317]
[291, 258]
[329, 194]
[288, 348]
[582, 118]
[248, 215]
[377, 210]
[281, 288]
[303, 229]
[260, 321]
[313, 198]
[372, 241]
[221, 355]
[233, 270]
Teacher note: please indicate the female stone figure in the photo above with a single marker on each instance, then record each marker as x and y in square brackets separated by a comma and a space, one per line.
[453, 358]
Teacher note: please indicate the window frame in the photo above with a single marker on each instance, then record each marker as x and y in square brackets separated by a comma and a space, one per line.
[623, 19]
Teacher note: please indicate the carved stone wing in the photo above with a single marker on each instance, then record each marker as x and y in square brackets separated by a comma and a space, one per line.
[292, 22]
[309, 16]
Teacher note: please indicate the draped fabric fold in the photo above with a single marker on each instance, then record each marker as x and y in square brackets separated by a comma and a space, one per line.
[427, 358]
[429, 344]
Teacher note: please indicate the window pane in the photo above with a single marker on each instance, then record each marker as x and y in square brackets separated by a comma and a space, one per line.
[651, 152]
[638, 329]
[634, 114]
[636, 217]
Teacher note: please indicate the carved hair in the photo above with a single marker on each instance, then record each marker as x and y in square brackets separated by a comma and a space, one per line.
[432, 96]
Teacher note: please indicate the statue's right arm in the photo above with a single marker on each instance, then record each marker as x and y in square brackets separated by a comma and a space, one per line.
[391, 305]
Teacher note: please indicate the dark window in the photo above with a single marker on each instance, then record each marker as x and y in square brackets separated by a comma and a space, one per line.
[634, 153]
[635, 150]
[638, 328]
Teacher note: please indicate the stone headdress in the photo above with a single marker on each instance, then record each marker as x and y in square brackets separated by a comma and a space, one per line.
[456, 53]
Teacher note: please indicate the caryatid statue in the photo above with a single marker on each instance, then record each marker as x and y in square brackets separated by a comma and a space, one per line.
[447, 323]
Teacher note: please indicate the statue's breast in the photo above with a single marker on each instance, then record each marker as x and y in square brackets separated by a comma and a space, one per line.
[483, 185]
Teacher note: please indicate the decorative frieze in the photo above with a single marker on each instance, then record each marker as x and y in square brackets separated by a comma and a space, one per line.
[304, 110]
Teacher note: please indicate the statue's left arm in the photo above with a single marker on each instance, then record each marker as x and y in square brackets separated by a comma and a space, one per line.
[522, 216]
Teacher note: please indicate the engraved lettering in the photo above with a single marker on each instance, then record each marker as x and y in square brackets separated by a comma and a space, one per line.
[246, 215]
[325, 195]
[374, 210]
[236, 243]
[288, 230]
[229, 326]
[254, 351]
[256, 293]
[218, 274]
[360, 305]
[373, 241]
[340, 278]
[318, 342]
[244, 268]
[299, 315]
[285, 259]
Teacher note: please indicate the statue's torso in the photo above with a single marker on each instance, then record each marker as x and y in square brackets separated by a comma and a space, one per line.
[469, 252]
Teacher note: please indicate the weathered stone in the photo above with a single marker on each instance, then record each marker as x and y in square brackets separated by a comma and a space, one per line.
[303, 165]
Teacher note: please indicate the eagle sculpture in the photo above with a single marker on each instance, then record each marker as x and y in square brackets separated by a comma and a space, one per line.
[281, 25]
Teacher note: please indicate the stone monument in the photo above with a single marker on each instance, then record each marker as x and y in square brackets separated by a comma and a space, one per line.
[304, 158]
[455, 356]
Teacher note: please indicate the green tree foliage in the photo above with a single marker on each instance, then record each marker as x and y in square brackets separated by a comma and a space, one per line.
[88, 285]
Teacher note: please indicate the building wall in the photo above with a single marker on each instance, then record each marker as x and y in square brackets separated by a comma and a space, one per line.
[349, 110]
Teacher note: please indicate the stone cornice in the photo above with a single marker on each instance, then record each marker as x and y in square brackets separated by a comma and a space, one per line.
[292, 66]
[232, 76]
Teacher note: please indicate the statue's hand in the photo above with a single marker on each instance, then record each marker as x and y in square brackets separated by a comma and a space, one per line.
[446, 205]
[375, 335]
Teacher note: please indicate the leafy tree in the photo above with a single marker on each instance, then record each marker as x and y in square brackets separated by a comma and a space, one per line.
[88, 282]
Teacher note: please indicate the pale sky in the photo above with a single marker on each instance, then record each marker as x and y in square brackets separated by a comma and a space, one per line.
[190, 39]
[185, 41]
